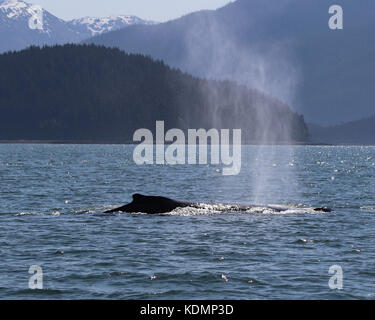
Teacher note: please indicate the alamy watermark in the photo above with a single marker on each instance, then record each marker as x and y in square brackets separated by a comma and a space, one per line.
[36, 19]
[36, 280]
[336, 21]
[180, 151]
[337, 279]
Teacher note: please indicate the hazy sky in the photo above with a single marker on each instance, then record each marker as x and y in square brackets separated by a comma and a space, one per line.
[157, 10]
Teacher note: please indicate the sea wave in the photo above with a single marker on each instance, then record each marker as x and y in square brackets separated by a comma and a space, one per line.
[371, 208]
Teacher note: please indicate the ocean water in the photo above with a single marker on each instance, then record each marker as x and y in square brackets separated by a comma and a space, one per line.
[52, 198]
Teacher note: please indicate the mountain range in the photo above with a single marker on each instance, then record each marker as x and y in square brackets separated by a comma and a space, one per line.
[23, 24]
[282, 47]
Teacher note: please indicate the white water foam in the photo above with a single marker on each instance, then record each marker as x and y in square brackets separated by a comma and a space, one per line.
[210, 209]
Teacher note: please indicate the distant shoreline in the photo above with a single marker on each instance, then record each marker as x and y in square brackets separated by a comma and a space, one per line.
[91, 142]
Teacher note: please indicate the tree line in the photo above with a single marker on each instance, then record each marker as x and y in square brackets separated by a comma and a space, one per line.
[88, 92]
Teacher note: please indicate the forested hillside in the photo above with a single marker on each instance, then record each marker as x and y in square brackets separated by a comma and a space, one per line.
[85, 92]
[359, 132]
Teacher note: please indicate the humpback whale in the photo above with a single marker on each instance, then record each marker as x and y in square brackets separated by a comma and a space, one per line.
[151, 205]
[159, 205]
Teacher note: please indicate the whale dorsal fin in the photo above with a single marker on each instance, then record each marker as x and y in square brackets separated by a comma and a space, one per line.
[138, 196]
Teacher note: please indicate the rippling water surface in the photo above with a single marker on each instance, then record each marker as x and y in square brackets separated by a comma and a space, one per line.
[52, 198]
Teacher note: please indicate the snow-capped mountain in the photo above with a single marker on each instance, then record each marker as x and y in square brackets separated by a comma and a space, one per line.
[17, 9]
[96, 26]
[23, 24]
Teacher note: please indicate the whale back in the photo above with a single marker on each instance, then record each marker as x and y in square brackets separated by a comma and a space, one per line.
[153, 204]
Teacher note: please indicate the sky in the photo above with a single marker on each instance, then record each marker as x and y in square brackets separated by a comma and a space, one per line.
[156, 10]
